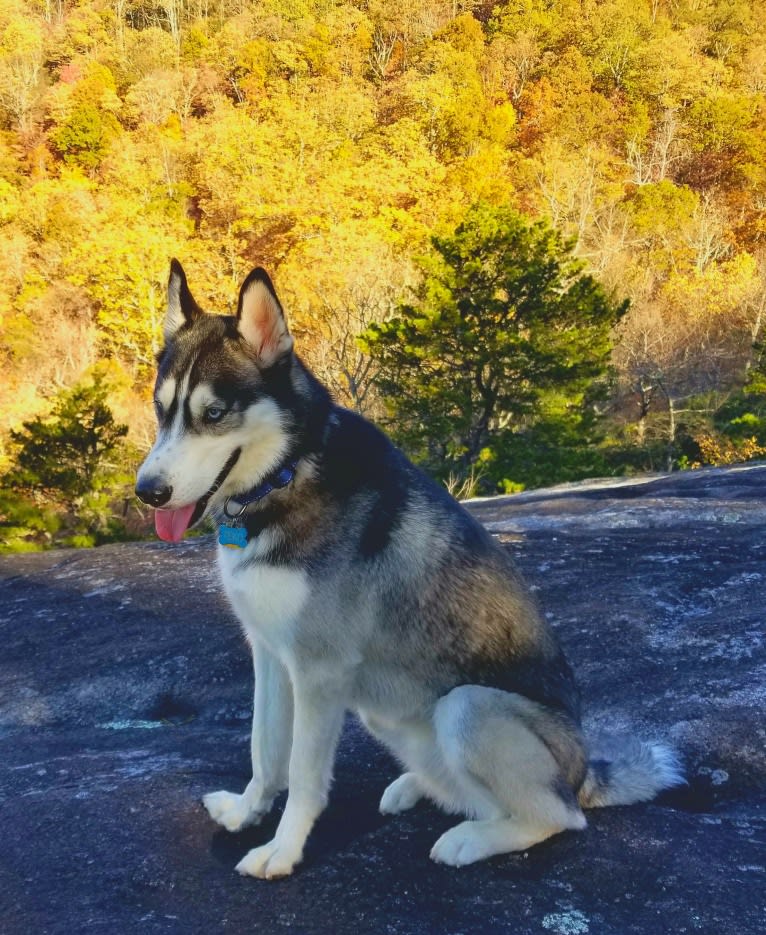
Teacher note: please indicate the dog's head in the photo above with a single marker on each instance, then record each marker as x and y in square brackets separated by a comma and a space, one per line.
[220, 398]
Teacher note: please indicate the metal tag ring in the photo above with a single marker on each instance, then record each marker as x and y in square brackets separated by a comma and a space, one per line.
[232, 515]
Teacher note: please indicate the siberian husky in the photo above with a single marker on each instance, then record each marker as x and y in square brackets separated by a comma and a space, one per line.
[362, 585]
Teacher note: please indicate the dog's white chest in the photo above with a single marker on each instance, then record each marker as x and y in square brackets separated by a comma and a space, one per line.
[268, 599]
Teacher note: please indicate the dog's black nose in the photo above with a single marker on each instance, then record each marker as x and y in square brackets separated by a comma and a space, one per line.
[153, 492]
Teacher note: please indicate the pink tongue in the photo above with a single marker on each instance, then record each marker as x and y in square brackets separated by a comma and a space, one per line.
[172, 524]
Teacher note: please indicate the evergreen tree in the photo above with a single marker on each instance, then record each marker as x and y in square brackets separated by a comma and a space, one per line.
[62, 453]
[505, 319]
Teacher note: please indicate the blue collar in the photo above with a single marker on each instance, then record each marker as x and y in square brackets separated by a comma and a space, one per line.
[231, 532]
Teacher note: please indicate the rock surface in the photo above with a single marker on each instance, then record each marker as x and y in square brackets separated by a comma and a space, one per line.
[124, 696]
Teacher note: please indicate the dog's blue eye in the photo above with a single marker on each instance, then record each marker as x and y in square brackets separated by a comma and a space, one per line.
[159, 411]
[214, 413]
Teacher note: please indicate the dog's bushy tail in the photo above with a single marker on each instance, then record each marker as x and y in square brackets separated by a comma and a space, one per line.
[630, 771]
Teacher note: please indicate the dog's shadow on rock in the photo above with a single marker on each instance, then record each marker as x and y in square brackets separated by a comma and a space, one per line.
[347, 819]
[229, 847]
[698, 795]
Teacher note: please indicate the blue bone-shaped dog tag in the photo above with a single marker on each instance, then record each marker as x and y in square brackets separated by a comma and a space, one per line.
[233, 537]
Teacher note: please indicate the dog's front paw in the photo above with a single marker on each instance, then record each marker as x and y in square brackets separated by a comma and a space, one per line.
[403, 793]
[232, 811]
[268, 862]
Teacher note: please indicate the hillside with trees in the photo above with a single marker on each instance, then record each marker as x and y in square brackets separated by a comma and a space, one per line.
[388, 163]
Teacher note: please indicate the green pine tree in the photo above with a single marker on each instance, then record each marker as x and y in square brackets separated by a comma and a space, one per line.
[505, 320]
[62, 453]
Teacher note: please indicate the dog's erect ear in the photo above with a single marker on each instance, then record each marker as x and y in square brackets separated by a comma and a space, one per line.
[260, 319]
[182, 309]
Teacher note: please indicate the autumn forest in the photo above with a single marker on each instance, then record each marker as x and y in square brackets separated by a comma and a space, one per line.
[527, 237]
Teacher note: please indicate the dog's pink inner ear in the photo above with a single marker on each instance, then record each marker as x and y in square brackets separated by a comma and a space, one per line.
[262, 324]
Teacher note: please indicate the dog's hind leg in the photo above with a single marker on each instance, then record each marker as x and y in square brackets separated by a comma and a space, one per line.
[414, 743]
[518, 765]
[270, 743]
[402, 794]
[407, 743]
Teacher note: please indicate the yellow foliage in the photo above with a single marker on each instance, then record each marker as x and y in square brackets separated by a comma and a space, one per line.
[9, 202]
[717, 450]
[718, 289]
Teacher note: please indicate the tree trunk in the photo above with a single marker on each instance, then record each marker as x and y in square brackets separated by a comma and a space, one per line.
[671, 451]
